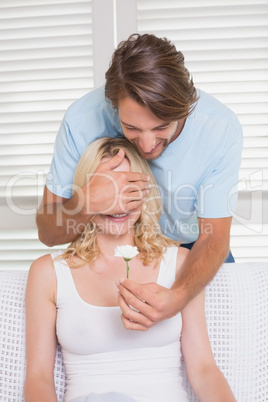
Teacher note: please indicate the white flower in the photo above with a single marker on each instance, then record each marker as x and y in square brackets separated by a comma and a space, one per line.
[127, 252]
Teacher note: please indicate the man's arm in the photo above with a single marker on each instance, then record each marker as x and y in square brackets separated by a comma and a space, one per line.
[56, 219]
[200, 266]
[60, 220]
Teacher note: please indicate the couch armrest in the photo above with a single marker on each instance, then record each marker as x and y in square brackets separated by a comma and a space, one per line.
[12, 339]
[237, 320]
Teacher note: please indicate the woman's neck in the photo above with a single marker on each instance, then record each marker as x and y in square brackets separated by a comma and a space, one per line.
[108, 243]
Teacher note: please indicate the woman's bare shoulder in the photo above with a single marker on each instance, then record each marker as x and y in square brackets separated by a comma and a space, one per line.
[181, 257]
[42, 269]
[43, 263]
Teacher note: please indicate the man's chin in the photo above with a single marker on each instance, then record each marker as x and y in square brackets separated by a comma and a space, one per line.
[152, 155]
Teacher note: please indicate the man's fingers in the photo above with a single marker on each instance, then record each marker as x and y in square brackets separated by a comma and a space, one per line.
[135, 195]
[131, 318]
[112, 163]
[134, 326]
[138, 185]
[115, 161]
[150, 300]
[133, 312]
[138, 177]
[113, 191]
[148, 315]
[128, 287]
[132, 206]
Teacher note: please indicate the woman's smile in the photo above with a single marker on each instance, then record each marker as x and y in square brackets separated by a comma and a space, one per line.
[118, 217]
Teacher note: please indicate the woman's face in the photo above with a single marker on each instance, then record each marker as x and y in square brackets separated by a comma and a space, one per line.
[118, 224]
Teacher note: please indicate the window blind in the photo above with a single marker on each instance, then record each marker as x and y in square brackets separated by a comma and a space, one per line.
[47, 53]
[46, 63]
[225, 47]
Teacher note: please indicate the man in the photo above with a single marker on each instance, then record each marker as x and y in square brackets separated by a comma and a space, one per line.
[193, 144]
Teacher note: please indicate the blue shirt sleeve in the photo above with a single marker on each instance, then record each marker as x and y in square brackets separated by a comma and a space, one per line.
[87, 119]
[60, 177]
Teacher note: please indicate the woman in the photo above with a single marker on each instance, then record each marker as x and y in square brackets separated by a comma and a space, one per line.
[72, 296]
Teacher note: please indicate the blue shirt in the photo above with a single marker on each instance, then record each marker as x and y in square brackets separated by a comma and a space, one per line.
[197, 174]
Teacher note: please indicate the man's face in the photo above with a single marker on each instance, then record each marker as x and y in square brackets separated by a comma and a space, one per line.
[147, 132]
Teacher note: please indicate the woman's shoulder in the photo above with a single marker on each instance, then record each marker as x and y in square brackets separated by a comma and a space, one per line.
[177, 251]
[42, 279]
[44, 262]
[181, 257]
[176, 255]
[42, 268]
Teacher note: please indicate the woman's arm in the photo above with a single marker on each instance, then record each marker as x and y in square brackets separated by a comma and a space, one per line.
[40, 332]
[206, 379]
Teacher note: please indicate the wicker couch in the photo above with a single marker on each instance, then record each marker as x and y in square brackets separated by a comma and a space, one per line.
[237, 319]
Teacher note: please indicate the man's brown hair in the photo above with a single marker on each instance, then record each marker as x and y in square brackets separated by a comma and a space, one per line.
[151, 71]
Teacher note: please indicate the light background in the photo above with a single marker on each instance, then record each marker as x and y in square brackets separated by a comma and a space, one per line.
[54, 51]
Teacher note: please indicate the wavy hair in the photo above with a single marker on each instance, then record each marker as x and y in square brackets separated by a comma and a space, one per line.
[151, 71]
[148, 237]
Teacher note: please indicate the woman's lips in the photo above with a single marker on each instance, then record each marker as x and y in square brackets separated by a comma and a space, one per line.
[118, 217]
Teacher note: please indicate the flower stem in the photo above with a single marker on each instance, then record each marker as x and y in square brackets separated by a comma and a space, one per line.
[127, 267]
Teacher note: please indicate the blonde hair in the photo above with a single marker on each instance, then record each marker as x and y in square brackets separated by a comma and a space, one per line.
[148, 237]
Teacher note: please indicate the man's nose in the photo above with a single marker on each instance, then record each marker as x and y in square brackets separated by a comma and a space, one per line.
[147, 141]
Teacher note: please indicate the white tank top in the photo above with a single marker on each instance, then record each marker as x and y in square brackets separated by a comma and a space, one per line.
[101, 356]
